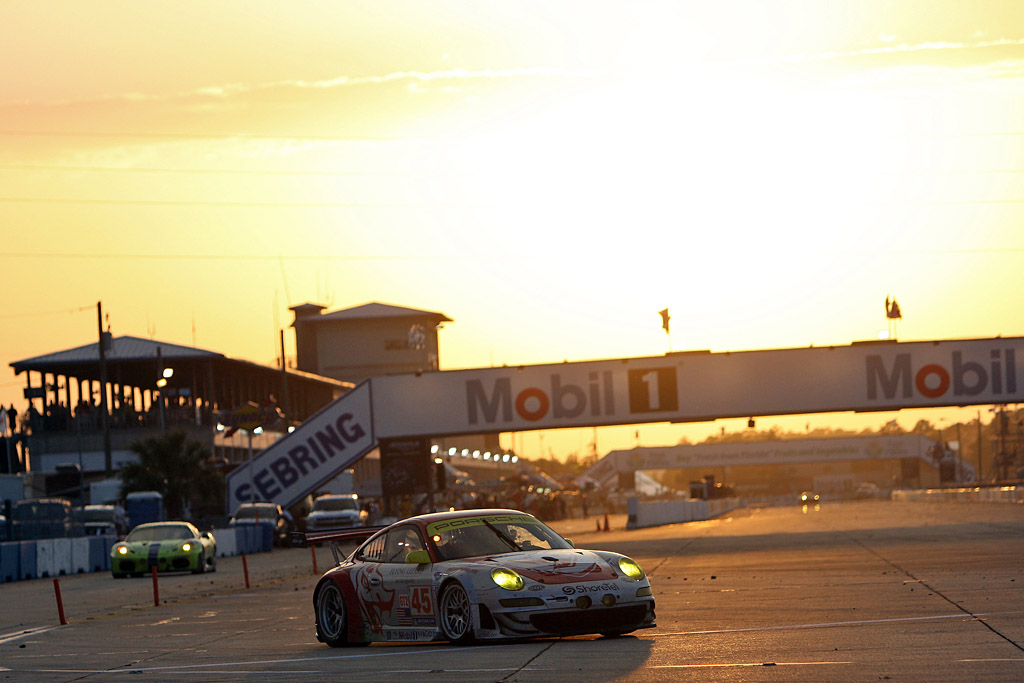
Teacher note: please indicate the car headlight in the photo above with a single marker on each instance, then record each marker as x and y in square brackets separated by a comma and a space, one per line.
[186, 547]
[507, 579]
[631, 568]
[122, 550]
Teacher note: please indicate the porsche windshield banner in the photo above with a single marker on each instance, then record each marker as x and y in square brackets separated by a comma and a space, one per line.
[463, 522]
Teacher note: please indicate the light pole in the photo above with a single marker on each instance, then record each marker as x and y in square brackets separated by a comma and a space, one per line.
[163, 374]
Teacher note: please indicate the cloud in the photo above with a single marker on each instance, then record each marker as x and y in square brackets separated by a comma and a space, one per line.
[904, 49]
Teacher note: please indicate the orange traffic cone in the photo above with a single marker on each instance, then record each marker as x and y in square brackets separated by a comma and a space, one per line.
[606, 527]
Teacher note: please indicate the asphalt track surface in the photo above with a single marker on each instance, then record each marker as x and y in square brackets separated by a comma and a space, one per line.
[858, 591]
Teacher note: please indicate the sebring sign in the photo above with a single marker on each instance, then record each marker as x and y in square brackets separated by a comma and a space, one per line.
[324, 445]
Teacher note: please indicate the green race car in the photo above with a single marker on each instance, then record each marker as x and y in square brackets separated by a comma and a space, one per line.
[168, 546]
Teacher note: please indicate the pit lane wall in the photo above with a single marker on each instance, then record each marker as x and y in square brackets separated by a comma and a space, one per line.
[659, 512]
[54, 557]
[988, 494]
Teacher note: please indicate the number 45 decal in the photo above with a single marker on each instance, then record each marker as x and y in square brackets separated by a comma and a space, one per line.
[421, 604]
[653, 390]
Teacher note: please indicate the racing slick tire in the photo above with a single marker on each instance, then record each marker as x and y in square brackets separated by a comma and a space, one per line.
[456, 613]
[332, 616]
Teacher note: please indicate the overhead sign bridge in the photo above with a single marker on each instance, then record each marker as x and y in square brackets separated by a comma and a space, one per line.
[691, 386]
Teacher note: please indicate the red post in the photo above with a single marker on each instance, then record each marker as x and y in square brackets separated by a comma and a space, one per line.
[312, 551]
[245, 568]
[60, 602]
[606, 527]
[156, 588]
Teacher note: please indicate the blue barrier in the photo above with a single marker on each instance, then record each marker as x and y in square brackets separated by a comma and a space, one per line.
[251, 540]
[99, 553]
[10, 561]
[27, 567]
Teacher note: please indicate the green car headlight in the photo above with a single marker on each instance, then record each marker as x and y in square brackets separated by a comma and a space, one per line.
[507, 579]
[186, 547]
[122, 550]
[631, 568]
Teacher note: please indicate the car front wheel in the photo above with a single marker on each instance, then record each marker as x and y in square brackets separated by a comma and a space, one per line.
[456, 614]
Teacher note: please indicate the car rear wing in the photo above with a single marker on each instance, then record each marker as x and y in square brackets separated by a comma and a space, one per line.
[303, 540]
[335, 538]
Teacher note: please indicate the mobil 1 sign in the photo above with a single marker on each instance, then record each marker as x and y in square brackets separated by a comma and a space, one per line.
[527, 397]
[328, 443]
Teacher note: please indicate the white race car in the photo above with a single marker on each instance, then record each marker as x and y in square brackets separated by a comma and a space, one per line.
[474, 575]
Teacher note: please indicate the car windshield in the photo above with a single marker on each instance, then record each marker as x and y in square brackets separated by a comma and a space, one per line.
[29, 511]
[253, 511]
[335, 504]
[163, 532]
[492, 535]
[98, 515]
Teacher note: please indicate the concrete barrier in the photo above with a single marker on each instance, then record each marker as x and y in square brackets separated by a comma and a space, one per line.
[977, 494]
[79, 556]
[659, 512]
[45, 551]
[227, 543]
[53, 557]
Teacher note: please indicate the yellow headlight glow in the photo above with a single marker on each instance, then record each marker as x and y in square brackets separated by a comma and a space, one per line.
[631, 568]
[186, 547]
[507, 579]
[122, 550]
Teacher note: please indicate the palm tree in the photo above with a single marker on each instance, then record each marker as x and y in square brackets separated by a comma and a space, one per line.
[178, 467]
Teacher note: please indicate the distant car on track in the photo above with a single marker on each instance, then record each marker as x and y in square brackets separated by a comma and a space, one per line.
[474, 575]
[103, 520]
[809, 498]
[336, 511]
[168, 546]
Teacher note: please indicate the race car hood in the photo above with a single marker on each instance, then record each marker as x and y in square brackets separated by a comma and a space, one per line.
[333, 514]
[558, 566]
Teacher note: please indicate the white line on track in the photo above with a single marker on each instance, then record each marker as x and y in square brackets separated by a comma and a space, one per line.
[744, 664]
[831, 624]
[290, 672]
[11, 637]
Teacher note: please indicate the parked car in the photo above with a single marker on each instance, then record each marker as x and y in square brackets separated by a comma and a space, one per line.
[168, 546]
[336, 511]
[103, 520]
[475, 575]
[265, 513]
[38, 518]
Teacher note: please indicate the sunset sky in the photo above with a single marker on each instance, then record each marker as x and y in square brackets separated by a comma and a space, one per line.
[548, 174]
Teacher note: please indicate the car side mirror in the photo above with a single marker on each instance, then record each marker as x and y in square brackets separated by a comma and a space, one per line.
[571, 544]
[206, 535]
[418, 557]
